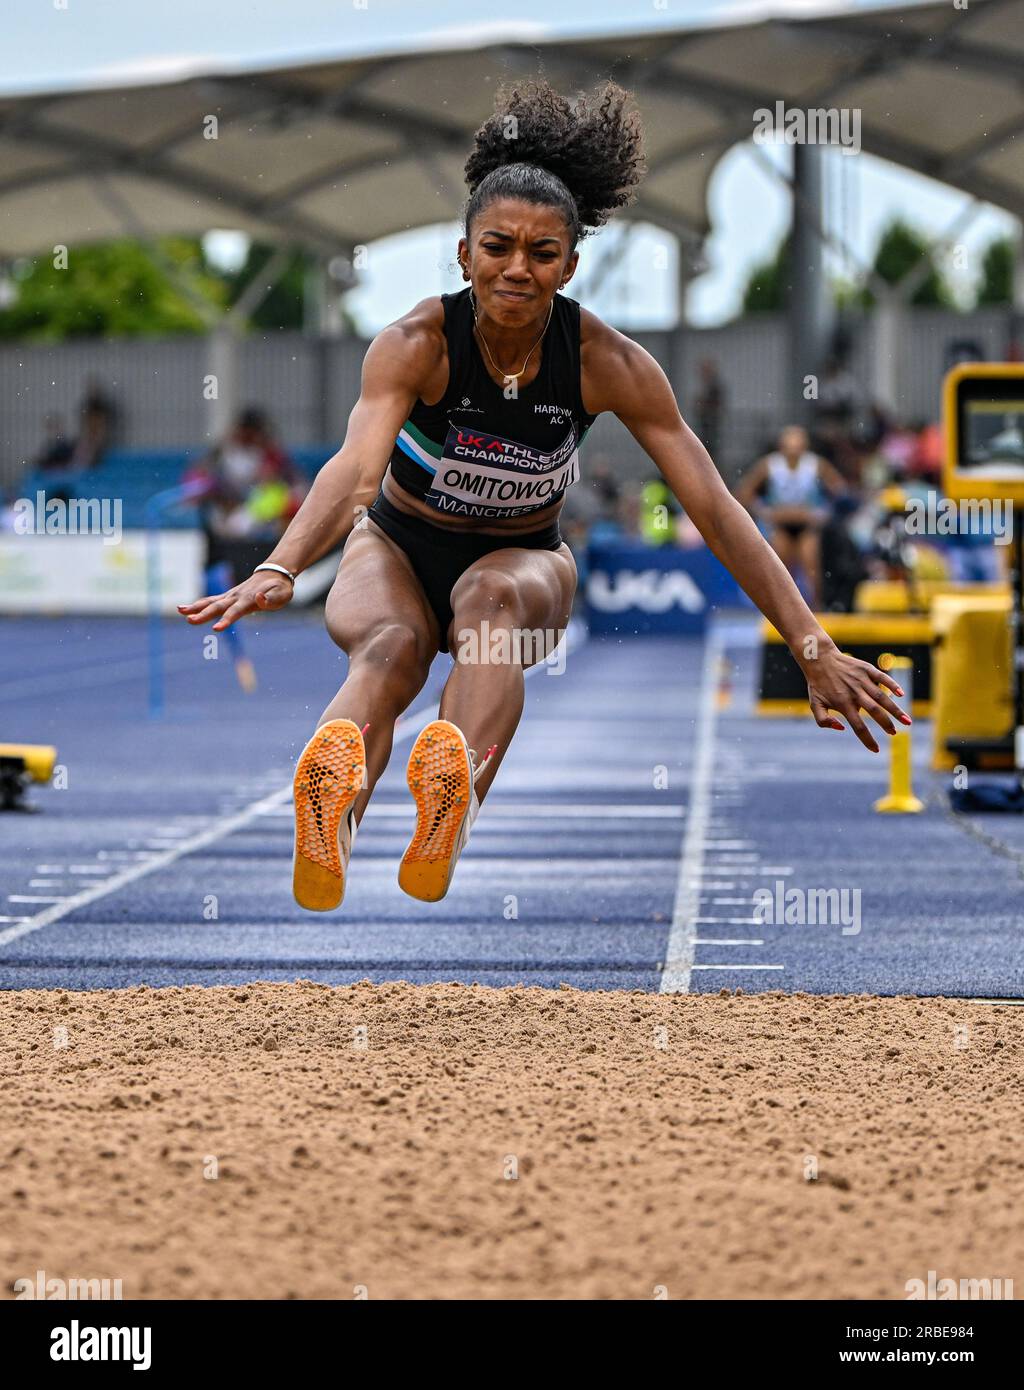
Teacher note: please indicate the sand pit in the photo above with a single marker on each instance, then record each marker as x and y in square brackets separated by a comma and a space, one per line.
[299, 1141]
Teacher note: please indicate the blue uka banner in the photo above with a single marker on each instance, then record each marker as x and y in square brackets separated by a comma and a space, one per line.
[634, 589]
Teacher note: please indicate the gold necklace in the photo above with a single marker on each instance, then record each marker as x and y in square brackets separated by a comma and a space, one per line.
[509, 376]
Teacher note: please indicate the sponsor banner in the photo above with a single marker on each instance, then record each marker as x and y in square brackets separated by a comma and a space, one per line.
[638, 589]
[85, 574]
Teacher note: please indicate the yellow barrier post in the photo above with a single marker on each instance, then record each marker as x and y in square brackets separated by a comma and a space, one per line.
[900, 798]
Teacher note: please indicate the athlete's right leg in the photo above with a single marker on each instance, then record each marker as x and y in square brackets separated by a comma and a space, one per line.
[784, 546]
[378, 614]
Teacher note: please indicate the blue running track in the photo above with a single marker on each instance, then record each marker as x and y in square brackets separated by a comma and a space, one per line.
[620, 847]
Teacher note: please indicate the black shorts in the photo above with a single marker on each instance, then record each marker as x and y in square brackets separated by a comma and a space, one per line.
[439, 555]
[795, 529]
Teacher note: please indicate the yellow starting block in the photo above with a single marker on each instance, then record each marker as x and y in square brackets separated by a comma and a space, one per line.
[21, 763]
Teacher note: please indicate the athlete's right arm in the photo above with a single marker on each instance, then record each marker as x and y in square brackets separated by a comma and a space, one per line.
[397, 363]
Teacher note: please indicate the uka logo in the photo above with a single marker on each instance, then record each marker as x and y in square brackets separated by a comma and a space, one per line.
[652, 591]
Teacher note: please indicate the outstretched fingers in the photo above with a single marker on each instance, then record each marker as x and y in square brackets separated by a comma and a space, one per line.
[206, 608]
[861, 729]
[189, 608]
[822, 715]
[883, 679]
[235, 610]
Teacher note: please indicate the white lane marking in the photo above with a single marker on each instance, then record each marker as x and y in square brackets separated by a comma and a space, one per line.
[49, 868]
[45, 883]
[407, 727]
[675, 976]
[13, 919]
[729, 902]
[537, 811]
[733, 921]
[63, 906]
[737, 967]
[725, 941]
[88, 869]
[35, 898]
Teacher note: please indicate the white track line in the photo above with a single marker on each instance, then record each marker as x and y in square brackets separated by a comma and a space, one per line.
[537, 811]
[737, 967]
[730, 921]
[724, 941]
[408, 726]
[675, 976]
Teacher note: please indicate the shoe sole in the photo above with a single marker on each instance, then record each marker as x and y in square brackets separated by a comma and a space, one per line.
[441, 781]
[328, 777]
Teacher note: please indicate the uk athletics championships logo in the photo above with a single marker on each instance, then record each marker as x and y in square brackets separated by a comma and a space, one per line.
[483, 474]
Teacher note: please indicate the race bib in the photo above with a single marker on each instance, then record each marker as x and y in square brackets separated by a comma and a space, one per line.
[483, 474]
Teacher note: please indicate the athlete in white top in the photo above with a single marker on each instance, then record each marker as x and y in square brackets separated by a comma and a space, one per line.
[789, 490]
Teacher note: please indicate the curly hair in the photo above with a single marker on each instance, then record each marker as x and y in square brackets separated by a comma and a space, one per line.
[584, 160]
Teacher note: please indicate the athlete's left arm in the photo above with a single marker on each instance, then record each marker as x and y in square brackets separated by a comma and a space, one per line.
[831, 479]
[624, 378]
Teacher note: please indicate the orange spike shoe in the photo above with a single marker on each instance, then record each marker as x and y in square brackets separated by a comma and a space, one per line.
[329, 775]
[441, 776]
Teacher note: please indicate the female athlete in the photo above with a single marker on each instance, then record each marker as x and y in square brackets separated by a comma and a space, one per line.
[447, 489]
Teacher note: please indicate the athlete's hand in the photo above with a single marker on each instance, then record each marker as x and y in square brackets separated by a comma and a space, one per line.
[840, 682]
[259, 593]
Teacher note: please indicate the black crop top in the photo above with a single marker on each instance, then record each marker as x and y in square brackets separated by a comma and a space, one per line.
[478, 454]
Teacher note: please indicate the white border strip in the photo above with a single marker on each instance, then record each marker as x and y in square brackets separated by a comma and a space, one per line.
[675, 976]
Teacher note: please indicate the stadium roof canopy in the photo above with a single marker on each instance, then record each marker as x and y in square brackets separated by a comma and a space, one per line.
[336, 153]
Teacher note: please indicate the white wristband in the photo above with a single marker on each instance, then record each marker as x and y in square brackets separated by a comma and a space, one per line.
[279, 568]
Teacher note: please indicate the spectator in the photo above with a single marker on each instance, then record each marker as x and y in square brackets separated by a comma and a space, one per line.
[839, 396]
[606, 489]
[57, 449]
[659, 513]
[100, 405]
[926, 460]
[708, 406]
[97, 418]
[252, 487]
[898, 448]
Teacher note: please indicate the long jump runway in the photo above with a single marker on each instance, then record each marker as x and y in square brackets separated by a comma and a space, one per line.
[639, 809]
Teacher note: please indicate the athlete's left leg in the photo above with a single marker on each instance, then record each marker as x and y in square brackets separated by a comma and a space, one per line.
[808, 548]
[511, 608]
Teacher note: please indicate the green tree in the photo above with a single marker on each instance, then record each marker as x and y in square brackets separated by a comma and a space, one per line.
[900, 250]
[996, 285]
[767, 287]
[112, 289]
[283, 306]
